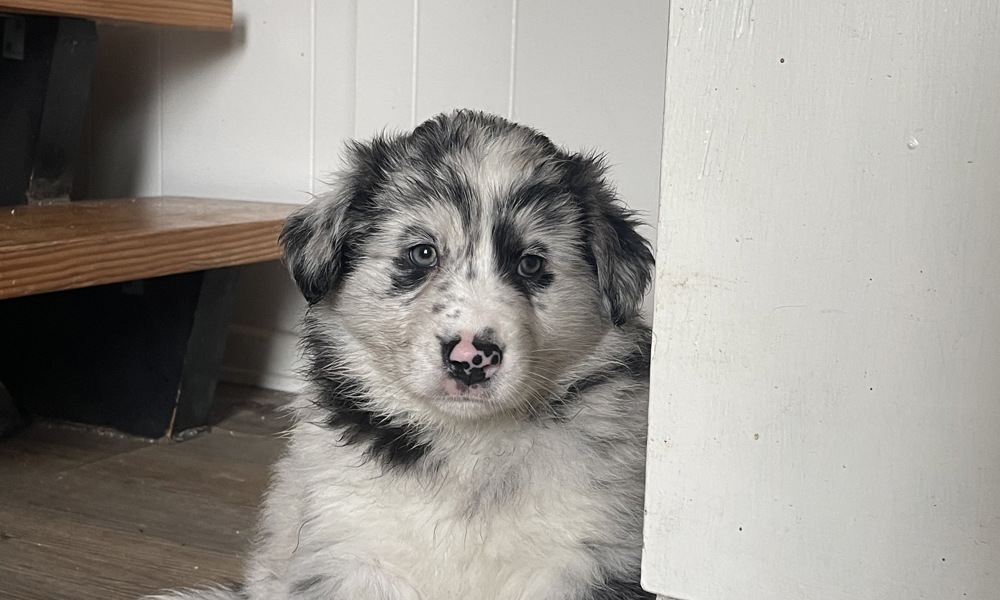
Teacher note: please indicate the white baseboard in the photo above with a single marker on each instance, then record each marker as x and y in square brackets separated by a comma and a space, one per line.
[267, 381]
[263, 358]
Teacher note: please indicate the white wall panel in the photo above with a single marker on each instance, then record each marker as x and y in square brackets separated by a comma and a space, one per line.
[237, 108]
[262, 358]
[124, 118]
[826, 384]
[590, 74]
[463, 56]
[384, 67]
[268, 307]
[334, 74]
[261, 348]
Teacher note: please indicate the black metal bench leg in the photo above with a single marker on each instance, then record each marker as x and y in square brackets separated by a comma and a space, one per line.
[10, 417]
[142, 357]
[206, 343]
[46, 65]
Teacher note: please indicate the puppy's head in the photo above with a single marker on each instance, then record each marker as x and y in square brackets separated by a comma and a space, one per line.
[462, 269]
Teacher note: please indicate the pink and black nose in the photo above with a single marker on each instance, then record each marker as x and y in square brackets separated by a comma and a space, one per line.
[471, 359]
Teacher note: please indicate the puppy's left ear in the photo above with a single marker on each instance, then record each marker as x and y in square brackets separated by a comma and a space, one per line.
[313, 240]
[320, 238]
[622, 257]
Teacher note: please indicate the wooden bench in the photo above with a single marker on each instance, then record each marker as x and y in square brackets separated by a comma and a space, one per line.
[54, 247]
[115, 312]
[112, 312]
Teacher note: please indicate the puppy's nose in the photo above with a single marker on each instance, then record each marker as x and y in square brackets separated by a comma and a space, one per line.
[471, 359]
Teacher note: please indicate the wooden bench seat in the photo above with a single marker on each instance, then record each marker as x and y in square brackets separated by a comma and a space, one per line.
[116, 312]
[46, 248]
[199, 14]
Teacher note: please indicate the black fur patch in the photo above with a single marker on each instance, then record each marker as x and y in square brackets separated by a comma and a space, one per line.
[621, 258]
[631, 366]
[450, 133]
[295, 236]
[618, 589]
[395, 446]
[552, 196]
[406, 277]
[439, 184]
[429, 146]
[460, 195]
[321, 239]
[304, 585]
[508, 246]
[237, 588]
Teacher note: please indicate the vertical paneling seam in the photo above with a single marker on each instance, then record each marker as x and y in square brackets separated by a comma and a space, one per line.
[513, 60]
[415, 64]
[159, 110]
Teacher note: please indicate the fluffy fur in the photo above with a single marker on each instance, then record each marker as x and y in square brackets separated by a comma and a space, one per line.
[400, 483]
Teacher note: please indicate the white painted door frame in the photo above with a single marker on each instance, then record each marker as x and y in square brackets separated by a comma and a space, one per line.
[825, 420]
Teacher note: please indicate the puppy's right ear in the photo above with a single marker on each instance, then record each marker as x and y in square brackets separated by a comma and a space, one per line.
[319, 238]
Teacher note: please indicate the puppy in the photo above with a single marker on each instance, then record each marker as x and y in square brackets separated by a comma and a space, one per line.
[475, 421]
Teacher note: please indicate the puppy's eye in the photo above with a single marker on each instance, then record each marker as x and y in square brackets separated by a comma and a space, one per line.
[530, 265]
[423, 256]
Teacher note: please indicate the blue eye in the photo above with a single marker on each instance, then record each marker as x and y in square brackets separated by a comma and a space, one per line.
[423, 256]
[530, 265]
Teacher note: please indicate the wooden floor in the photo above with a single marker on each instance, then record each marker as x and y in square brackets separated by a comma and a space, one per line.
[88, 515]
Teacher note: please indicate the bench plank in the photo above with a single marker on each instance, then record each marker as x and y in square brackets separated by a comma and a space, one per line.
[199, 14]
[47, 248]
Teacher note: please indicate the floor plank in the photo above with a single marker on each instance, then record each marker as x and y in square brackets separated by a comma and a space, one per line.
[87, 514]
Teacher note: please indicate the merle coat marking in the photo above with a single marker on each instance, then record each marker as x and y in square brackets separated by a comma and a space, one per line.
[400, 482]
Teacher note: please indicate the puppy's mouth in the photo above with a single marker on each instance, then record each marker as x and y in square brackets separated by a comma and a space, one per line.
[460, 400]
[457, 390]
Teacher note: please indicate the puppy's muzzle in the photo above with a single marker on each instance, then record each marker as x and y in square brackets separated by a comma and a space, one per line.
[471, 359]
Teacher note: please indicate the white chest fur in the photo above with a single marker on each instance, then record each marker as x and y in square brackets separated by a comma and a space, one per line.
[504, 516]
